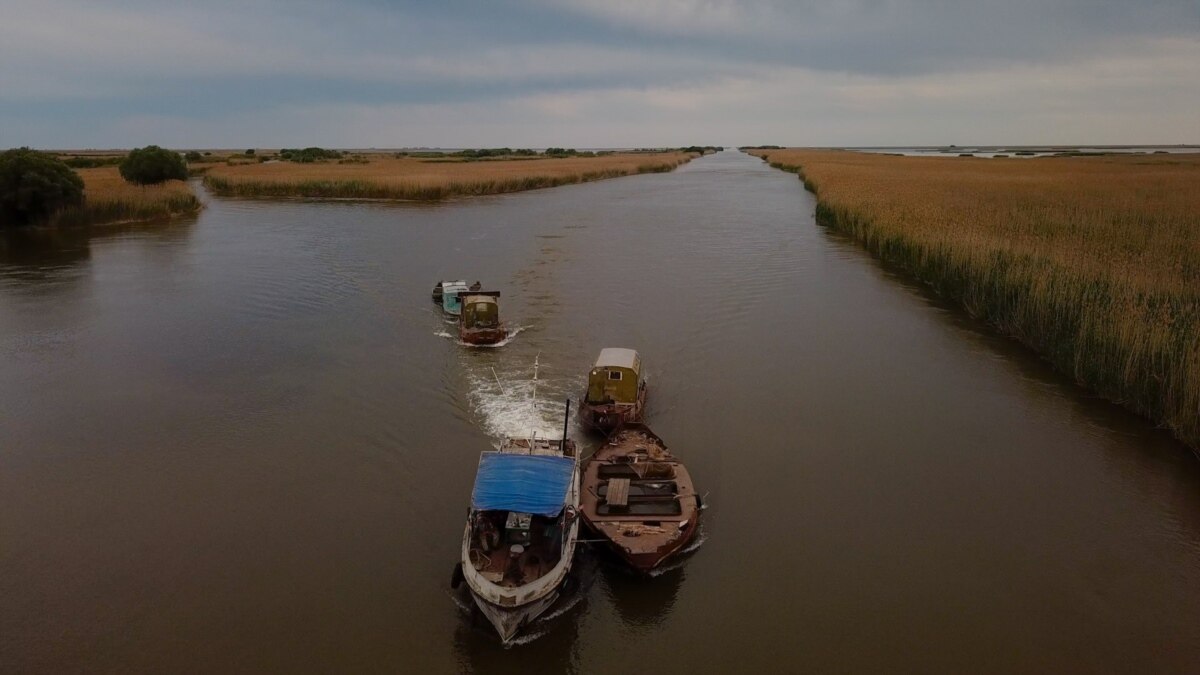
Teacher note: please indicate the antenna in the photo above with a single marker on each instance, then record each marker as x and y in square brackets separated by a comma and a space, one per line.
[533, 394]
[566, 418]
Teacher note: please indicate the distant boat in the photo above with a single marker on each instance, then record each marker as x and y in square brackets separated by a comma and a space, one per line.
[639, 498]
[519, 541]
[439, 288]
[479, 321]
[450, 292]
[616, 391]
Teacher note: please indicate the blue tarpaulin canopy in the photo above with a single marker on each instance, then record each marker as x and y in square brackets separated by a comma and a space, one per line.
[525, 483]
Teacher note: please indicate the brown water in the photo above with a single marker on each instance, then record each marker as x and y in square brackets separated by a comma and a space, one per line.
[238, 444]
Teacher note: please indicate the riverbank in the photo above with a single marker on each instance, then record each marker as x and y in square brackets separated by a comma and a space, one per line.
[110, 199]
[410, 178]
[1094, 263]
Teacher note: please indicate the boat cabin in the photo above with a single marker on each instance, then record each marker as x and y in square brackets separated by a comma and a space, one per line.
[517, 524]
[450, 296]
[615, 378]
[438, 288]
[480, 309]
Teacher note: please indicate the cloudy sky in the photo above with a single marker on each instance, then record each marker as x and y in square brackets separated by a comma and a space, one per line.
[597, 73]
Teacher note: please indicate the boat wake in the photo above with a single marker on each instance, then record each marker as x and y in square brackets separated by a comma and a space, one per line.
[531, 632]
[511, 334]
[567, 602]
[701, 537]
[462, 601]
[565, 606]
[527, 637]
[510, 409]
[681, 558]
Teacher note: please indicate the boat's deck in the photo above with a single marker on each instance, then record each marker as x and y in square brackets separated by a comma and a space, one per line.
[538, 446]
[638, 494]
[492, 554]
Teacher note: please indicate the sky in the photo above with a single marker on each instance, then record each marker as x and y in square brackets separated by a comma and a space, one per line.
[597, 73]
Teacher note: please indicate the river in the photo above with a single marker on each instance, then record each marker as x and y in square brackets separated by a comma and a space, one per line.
[240, 442]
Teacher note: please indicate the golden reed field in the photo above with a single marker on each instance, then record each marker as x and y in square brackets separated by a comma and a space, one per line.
[425, 179]
[108, 198]
[1094, 262]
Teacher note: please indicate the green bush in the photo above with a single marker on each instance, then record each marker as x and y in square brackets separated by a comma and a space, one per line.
[308, 155]
[193, 156]
[152, 165]
[34, 186]
[493, 152]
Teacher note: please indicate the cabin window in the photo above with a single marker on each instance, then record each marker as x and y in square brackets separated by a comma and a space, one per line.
[614, 374]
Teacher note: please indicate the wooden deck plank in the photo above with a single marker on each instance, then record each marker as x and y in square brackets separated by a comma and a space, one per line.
[618, 492]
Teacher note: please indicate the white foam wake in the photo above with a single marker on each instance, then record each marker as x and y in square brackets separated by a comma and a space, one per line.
[683, 555]
[565, 605]
[513, 409]
[511, 334]
[545, 623]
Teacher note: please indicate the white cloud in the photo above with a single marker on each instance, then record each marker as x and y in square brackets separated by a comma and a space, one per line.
[62, 49]
[1113, 99]
[681, 17]
[75, 60]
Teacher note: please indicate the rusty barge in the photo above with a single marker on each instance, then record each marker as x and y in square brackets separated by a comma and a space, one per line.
[639, 498]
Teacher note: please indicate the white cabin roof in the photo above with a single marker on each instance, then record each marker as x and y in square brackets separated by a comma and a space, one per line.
[617, 357]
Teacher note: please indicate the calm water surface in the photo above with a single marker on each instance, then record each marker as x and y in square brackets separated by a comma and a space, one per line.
[239, 443]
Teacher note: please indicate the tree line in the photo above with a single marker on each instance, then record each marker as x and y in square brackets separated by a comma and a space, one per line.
[35, 185]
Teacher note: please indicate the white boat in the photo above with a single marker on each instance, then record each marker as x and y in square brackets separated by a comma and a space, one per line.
[521, 530]
[449, 295]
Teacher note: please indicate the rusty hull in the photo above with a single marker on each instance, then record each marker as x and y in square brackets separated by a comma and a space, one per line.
[483, 336]
[607, 417]
[661, 510]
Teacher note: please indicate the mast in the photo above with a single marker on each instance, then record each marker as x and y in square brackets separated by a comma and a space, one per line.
[566, 418]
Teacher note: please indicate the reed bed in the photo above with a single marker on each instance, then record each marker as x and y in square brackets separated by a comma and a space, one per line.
[1092, 262]
[108, 199]
[408, 178]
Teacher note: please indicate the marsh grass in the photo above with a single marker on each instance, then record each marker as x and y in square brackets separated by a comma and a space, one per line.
[416, 179]
[108, 199]
[1093, 262]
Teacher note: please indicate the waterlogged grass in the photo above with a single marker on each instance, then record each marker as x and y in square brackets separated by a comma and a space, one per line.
[104, 212]
[365, 189]
[108, 199]
[412, 179]
[1092, 262]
